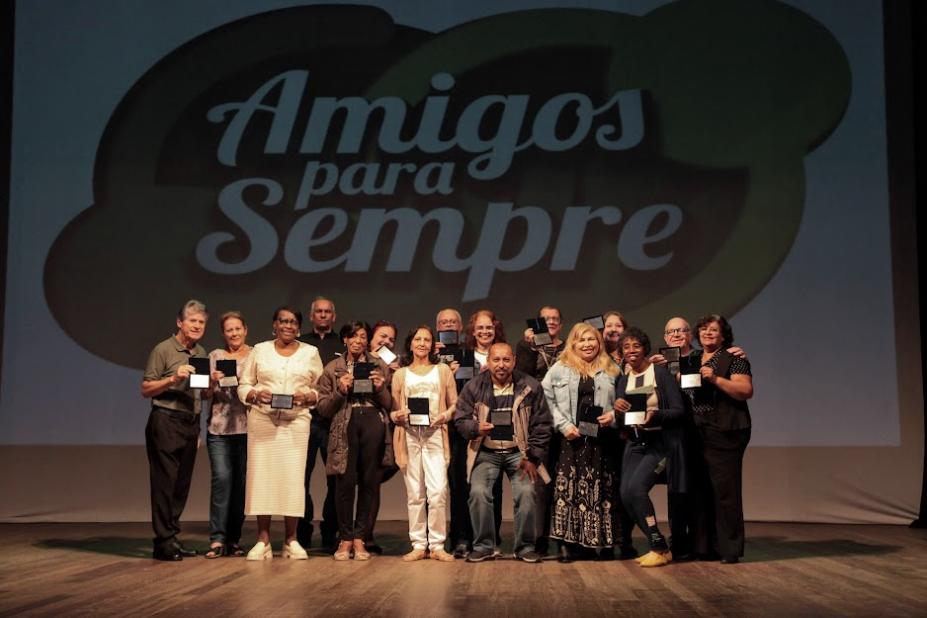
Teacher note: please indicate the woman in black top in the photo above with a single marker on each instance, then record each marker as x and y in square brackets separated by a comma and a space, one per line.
[654, 444]
[723, 421]
[360, 442]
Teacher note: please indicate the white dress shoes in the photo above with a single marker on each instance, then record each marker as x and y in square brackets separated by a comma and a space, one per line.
[294, 551]
[262, 551]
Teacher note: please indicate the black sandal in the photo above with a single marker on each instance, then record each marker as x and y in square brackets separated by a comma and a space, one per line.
[215, 552]
[235, 550]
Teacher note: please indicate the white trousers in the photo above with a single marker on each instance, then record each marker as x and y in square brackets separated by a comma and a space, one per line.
[426, 478]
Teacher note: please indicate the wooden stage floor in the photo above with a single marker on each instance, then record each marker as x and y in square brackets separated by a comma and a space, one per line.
[790, 570]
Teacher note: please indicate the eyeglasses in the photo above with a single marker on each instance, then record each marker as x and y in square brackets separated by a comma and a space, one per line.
[675, 331]
[711, 330]
[552, 320]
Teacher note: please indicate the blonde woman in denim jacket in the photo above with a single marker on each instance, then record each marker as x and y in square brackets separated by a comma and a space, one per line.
[582, 510]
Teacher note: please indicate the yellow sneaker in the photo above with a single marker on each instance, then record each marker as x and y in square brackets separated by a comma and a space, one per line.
[655, 559]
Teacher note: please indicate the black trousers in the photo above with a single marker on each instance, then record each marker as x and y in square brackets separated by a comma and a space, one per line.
[383, 475]
[461, 529]
[723, 452]
[639, 472]
[365, 454]
[318, 445]
[679, 510]
[544, 495]
[170, 440]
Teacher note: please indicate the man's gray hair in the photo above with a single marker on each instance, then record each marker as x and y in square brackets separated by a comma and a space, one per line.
[192, 306]
[317, 299]
[452, 310]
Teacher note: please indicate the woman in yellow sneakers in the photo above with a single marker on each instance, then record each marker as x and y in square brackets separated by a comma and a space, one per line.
[654, 442]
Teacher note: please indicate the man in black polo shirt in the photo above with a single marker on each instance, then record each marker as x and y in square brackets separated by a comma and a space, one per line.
[323, 336]
[173, 427]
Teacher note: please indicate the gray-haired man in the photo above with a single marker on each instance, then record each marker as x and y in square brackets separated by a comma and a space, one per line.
[173, 427]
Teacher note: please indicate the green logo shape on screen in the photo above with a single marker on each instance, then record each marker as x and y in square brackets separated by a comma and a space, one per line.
[589, 159]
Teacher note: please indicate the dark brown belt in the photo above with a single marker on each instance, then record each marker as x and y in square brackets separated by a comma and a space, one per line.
[501, 451]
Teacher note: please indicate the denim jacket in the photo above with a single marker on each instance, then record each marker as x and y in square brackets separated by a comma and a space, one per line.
[561, 389]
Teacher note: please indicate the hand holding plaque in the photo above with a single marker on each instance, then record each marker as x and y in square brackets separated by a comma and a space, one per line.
[541, 334]
[502, 428]
[363, 385]
[448, 337]
[229, 368]
[467, 361]
[386, 355]
[200, 377]
[690, 376]
[447, 353]
[672, 356]
[588, 420]
[637, 400]
[418, 411]
[281, 402]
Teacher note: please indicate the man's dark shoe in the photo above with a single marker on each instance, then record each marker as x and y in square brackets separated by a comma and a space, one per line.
[479, 555]
[461, 551]
[184, 551]
[541, 545]
[730, 560]
[169, 554]
[530, 556]
[564, 555]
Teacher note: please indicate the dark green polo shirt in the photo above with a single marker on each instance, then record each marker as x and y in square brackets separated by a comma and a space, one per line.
[163, 362]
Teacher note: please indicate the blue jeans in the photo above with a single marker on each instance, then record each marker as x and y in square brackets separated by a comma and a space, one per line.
[228, 458]
[485, 473]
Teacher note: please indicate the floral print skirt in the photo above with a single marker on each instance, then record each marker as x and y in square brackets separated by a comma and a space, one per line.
[583, 495]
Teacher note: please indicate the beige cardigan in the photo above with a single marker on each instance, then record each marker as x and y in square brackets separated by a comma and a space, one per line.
[446, 402]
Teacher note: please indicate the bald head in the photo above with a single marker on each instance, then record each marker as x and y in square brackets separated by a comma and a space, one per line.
[677, 333]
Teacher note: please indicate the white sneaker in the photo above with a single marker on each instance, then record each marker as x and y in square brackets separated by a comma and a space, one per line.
[261, 551]
[294, 551]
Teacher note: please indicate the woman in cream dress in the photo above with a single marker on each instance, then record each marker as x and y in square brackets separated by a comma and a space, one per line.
[278, 438]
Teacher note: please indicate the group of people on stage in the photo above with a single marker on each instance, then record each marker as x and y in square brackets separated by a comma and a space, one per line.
[583, 426]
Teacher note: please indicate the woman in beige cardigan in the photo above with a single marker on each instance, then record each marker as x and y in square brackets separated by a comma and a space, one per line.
[421, 442]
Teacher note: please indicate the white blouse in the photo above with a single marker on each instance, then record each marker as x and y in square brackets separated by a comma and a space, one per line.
[267, 369]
